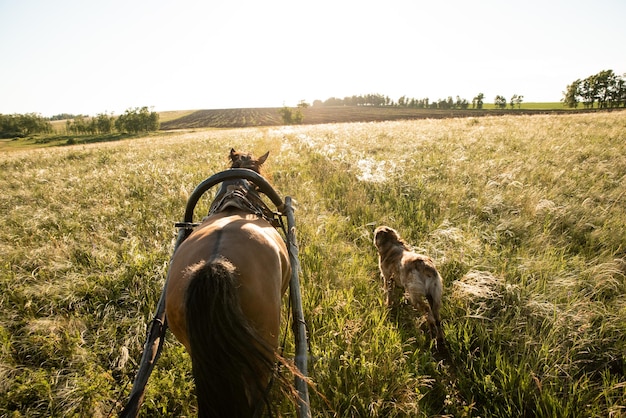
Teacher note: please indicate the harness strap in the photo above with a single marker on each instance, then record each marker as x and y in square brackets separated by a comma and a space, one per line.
[240, 199]
[186, 225]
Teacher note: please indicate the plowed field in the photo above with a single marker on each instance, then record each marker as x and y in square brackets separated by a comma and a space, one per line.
[269, 116]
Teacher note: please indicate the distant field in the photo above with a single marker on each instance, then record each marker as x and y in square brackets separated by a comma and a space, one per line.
[259, 117]
[173, 114]
[523, 215]
[251, 117]
[58, 125]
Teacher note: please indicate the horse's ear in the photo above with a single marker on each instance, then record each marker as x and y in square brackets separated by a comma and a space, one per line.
[263, 157]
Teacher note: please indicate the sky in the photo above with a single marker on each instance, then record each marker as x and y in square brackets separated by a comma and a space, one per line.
[92, 57]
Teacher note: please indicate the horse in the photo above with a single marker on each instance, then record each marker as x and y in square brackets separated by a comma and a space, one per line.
[223, 298]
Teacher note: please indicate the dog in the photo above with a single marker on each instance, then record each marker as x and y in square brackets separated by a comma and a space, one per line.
[415, 273]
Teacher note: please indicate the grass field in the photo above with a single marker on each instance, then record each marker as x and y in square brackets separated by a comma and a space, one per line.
[524, 215]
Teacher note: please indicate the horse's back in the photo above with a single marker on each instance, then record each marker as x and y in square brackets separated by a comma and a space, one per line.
[259, 256]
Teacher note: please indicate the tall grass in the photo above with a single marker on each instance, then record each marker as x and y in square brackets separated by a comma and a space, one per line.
[524, 216]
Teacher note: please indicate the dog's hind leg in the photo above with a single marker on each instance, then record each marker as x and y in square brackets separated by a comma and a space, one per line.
[434, 316]
[415, 293]
[434, 300]
[388, 288]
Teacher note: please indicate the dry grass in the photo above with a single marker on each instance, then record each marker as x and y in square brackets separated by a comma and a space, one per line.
[524, 216]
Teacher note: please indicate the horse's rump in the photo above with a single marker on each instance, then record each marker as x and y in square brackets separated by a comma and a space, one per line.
[223, 303]
[230, 361]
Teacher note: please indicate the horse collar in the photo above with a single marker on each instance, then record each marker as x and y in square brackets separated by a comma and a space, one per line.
[242, 198]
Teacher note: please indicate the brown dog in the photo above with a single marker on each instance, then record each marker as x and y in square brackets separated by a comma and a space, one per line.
[415, 273]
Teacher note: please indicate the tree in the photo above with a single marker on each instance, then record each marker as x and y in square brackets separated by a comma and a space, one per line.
[606, 88]
[63, 116]
[500, 102]
[516, 100]
[19, 125]
[604, 84]
[9, 126]
[587, 92]
[78, 125]
[571, 94]
[477, 102]
[103, 123]
[137, 120]
[291, 116]
[333, 101]
[618, 93]
[366, 100]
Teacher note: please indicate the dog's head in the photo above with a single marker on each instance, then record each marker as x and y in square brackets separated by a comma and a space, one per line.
[385, 236]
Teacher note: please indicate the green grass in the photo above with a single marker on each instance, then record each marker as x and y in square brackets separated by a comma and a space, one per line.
[60, 140]
[523, 215]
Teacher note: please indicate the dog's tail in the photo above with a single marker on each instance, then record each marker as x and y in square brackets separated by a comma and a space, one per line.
[434, 293]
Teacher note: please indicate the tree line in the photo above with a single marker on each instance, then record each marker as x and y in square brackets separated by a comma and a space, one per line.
[101, 124]
[20, 126]
[380, 100]
[133, 121]
[604, 90]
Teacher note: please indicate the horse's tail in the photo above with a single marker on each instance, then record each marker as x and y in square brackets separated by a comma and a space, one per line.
[231, 364]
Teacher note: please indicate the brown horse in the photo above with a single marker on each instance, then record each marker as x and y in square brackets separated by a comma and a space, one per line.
[223, 298]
